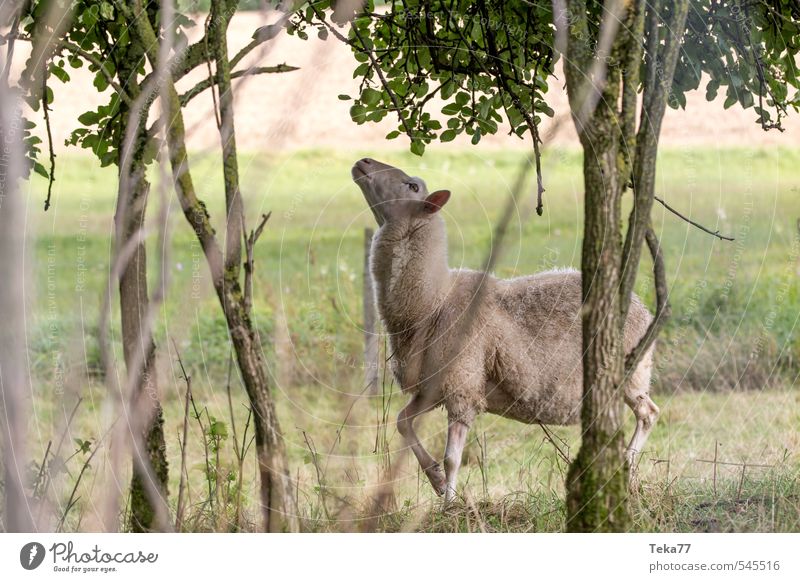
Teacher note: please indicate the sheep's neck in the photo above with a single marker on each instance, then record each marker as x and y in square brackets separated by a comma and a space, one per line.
[411, 273]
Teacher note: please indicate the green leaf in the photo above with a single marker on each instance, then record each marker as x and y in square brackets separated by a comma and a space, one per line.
[106, 11]
[476, 137]
[417, 147]
[218, 429]
[59, 73]
[100, 81]
[370, 96]
[40, 169]
[731, 100]
[746, 99]
[344, 97]
[357, 113]
[448, 89]
[451, 109]
[448, 135]
[89, 118]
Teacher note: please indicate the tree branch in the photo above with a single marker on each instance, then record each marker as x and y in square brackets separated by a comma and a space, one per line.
[193, 208]
[693, 223]
[375, 65]
[658, 81]
[51, 175]
[234, 205]
[249, 265]
[379, 71]
[76, 50]
[663, 309]
[208, 82]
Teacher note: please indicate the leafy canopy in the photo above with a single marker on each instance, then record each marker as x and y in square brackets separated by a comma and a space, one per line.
[489, 61]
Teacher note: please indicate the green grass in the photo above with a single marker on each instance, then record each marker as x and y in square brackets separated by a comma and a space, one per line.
[726, 366]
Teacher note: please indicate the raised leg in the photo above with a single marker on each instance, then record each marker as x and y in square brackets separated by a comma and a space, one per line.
[456, 439]
[419, 405]
[646, 413]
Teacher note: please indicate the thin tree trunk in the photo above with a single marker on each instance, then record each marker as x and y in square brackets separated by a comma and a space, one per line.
[597, 481]
[14, 405]
[278, 508]
[134, 305]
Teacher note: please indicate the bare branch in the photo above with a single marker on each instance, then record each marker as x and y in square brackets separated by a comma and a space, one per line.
[51, 175]
[184, 444]
[234, 205]
[692, 222]
[663, 310]
[249, 265]
[660, 70]
[208, 82]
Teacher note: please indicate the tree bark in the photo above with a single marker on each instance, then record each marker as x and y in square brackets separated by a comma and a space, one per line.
[134, 304]
[597, 481]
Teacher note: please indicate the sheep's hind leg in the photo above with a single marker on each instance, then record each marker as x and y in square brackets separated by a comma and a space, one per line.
[456, 439]
[419, 405]
[646, 413]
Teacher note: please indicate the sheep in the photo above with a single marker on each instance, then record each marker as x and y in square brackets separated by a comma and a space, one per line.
[521, 357]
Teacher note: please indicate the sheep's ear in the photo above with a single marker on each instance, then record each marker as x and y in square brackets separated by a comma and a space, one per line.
[435, 201]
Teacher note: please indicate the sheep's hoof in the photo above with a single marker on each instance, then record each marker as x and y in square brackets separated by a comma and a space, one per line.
[437, 478]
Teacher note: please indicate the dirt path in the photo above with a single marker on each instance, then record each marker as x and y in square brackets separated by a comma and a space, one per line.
[301, 110]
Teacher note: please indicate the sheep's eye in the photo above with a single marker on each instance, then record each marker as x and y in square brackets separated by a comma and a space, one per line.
[413, 186]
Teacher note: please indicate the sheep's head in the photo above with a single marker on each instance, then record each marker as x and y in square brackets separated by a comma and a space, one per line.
[394, 195]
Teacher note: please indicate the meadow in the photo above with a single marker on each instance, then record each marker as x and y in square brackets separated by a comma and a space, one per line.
[725, 455]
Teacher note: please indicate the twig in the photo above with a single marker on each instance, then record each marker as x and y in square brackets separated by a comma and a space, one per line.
[51, 177]
[213, 80]
[716, 449]
[375, 65]
[208, 82]
[692, 222]
[75, 49]
[72, 500]
[230, 401]
[732, 464]
[40, 475]
[741, 482]
[184, 444]
[11, 38]
[249, 264]
[550, 437]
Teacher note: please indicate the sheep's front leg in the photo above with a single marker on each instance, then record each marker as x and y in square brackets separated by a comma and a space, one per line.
[456, 439]
[419, 405]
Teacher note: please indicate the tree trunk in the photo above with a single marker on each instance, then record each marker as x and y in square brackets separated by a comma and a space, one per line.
[275, 486]
[276, 490]
[279, 512]
[133, 297]
[16, 515]
[134, 304]
[597, 480]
